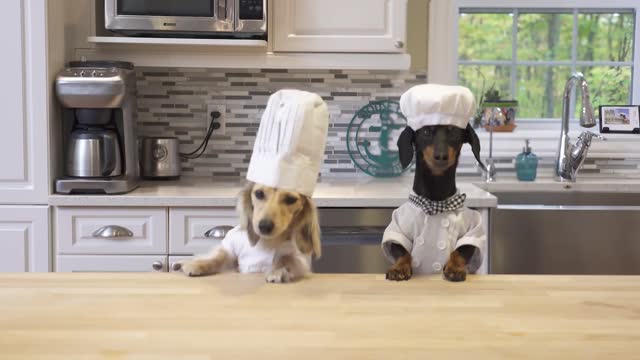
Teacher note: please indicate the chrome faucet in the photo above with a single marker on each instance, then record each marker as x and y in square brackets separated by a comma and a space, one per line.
[570, 157]
[491, 171]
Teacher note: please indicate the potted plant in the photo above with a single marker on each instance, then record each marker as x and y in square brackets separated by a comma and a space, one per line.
[496, 112]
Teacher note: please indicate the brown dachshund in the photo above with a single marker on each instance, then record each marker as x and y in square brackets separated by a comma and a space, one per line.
[437, 150]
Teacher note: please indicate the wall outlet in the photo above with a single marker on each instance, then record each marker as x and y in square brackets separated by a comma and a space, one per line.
[222, 120]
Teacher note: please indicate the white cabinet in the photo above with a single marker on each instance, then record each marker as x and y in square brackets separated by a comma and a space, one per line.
[133, 239]
[196, 231]
[111, 263]
[92, 231]
[173, 260]
[24, 239]
[353, 26]
[24, 102]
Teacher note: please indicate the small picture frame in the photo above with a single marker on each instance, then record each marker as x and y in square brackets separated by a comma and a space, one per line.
[621, 119]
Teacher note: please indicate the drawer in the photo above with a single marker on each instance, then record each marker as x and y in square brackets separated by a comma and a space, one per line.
[196, 231]
[111, 263]
[117, 231]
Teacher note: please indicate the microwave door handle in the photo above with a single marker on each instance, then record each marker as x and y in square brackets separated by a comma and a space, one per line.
[222, 9]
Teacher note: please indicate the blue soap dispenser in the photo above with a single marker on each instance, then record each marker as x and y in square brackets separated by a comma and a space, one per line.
[526, 164]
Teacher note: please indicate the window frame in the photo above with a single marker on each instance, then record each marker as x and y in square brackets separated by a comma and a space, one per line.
[443, 19]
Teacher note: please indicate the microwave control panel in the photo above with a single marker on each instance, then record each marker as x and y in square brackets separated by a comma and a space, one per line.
[252, 9]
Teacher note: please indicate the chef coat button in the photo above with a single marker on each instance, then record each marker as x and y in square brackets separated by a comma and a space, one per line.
[415, 263]
[445, 223]
[437, 266]
[420, 241]
[442, 245]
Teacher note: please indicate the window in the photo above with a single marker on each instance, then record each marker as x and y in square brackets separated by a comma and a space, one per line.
[528, 49]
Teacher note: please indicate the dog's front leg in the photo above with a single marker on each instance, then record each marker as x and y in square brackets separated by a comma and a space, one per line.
[456, 268]
[210, 264]
[401, 270]
[287, 268]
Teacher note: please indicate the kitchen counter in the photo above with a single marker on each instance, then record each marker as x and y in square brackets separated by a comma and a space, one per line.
[169, 316]
[200, 192]
[338, 192]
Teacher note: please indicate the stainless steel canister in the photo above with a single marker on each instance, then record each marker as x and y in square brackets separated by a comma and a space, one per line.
[160, 158]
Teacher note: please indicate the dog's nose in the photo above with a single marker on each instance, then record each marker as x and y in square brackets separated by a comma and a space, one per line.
[443, 156]
[265, 226]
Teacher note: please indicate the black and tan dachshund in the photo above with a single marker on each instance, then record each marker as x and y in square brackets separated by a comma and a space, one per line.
[437, 150]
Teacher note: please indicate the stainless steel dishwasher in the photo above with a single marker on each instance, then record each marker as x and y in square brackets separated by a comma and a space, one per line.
[351, 240]
[565, 233]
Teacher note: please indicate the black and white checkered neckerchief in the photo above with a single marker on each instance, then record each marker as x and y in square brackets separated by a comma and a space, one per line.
[431, 207]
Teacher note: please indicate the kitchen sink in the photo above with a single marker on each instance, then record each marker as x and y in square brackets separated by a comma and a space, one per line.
[565, 233]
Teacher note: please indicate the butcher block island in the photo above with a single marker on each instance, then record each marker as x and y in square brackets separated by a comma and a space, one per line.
[231, 316]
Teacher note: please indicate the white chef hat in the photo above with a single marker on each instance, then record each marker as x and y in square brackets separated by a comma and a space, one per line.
[432, 104]
[290, 144]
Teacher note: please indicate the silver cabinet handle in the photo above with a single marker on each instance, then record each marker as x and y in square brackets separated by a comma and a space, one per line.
[112, 232]
[176, 266]
[158, 266]
[218, 233]
[399, 44]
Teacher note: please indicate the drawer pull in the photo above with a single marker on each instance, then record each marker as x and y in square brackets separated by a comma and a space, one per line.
[112, 232]
[176, 266]
[218, 233]
[158, 266]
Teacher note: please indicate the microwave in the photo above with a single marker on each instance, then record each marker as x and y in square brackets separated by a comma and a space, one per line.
[187, 18]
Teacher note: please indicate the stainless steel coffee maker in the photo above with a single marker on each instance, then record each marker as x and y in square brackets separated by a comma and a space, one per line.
[98, 128]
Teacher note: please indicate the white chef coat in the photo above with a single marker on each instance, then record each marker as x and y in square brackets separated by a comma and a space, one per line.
[258, 258]
[432, 238]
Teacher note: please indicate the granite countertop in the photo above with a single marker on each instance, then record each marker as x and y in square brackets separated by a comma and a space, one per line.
[335, 192]
[201, 192]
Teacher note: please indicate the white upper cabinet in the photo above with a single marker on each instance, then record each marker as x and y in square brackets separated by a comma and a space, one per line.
[352, 26]
[24, 103]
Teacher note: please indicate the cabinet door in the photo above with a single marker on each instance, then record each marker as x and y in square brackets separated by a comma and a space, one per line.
[196, 231]
[24, 102]
[340, 26]
[111, 263]
[24, 239]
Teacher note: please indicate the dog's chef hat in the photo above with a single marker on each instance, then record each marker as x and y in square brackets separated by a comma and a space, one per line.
[290, 144]
[431, 104]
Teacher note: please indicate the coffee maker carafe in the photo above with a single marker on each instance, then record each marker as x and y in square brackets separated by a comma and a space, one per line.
[98, 128]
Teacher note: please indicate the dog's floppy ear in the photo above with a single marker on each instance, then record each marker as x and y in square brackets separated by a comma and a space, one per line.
[307, 229]
[245, 210]
[406, 146]
[472, 138]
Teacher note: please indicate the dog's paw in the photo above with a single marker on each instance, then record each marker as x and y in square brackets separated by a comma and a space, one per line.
[279, 276]
[402, 272]
[194, 268]
[454, 271]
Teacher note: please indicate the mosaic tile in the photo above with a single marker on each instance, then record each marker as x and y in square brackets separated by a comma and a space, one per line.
[174, 102]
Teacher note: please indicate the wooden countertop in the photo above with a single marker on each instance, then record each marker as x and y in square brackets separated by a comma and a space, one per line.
[168, 316]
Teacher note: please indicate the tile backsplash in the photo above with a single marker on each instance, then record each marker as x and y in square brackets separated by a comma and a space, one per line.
[176, 102]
